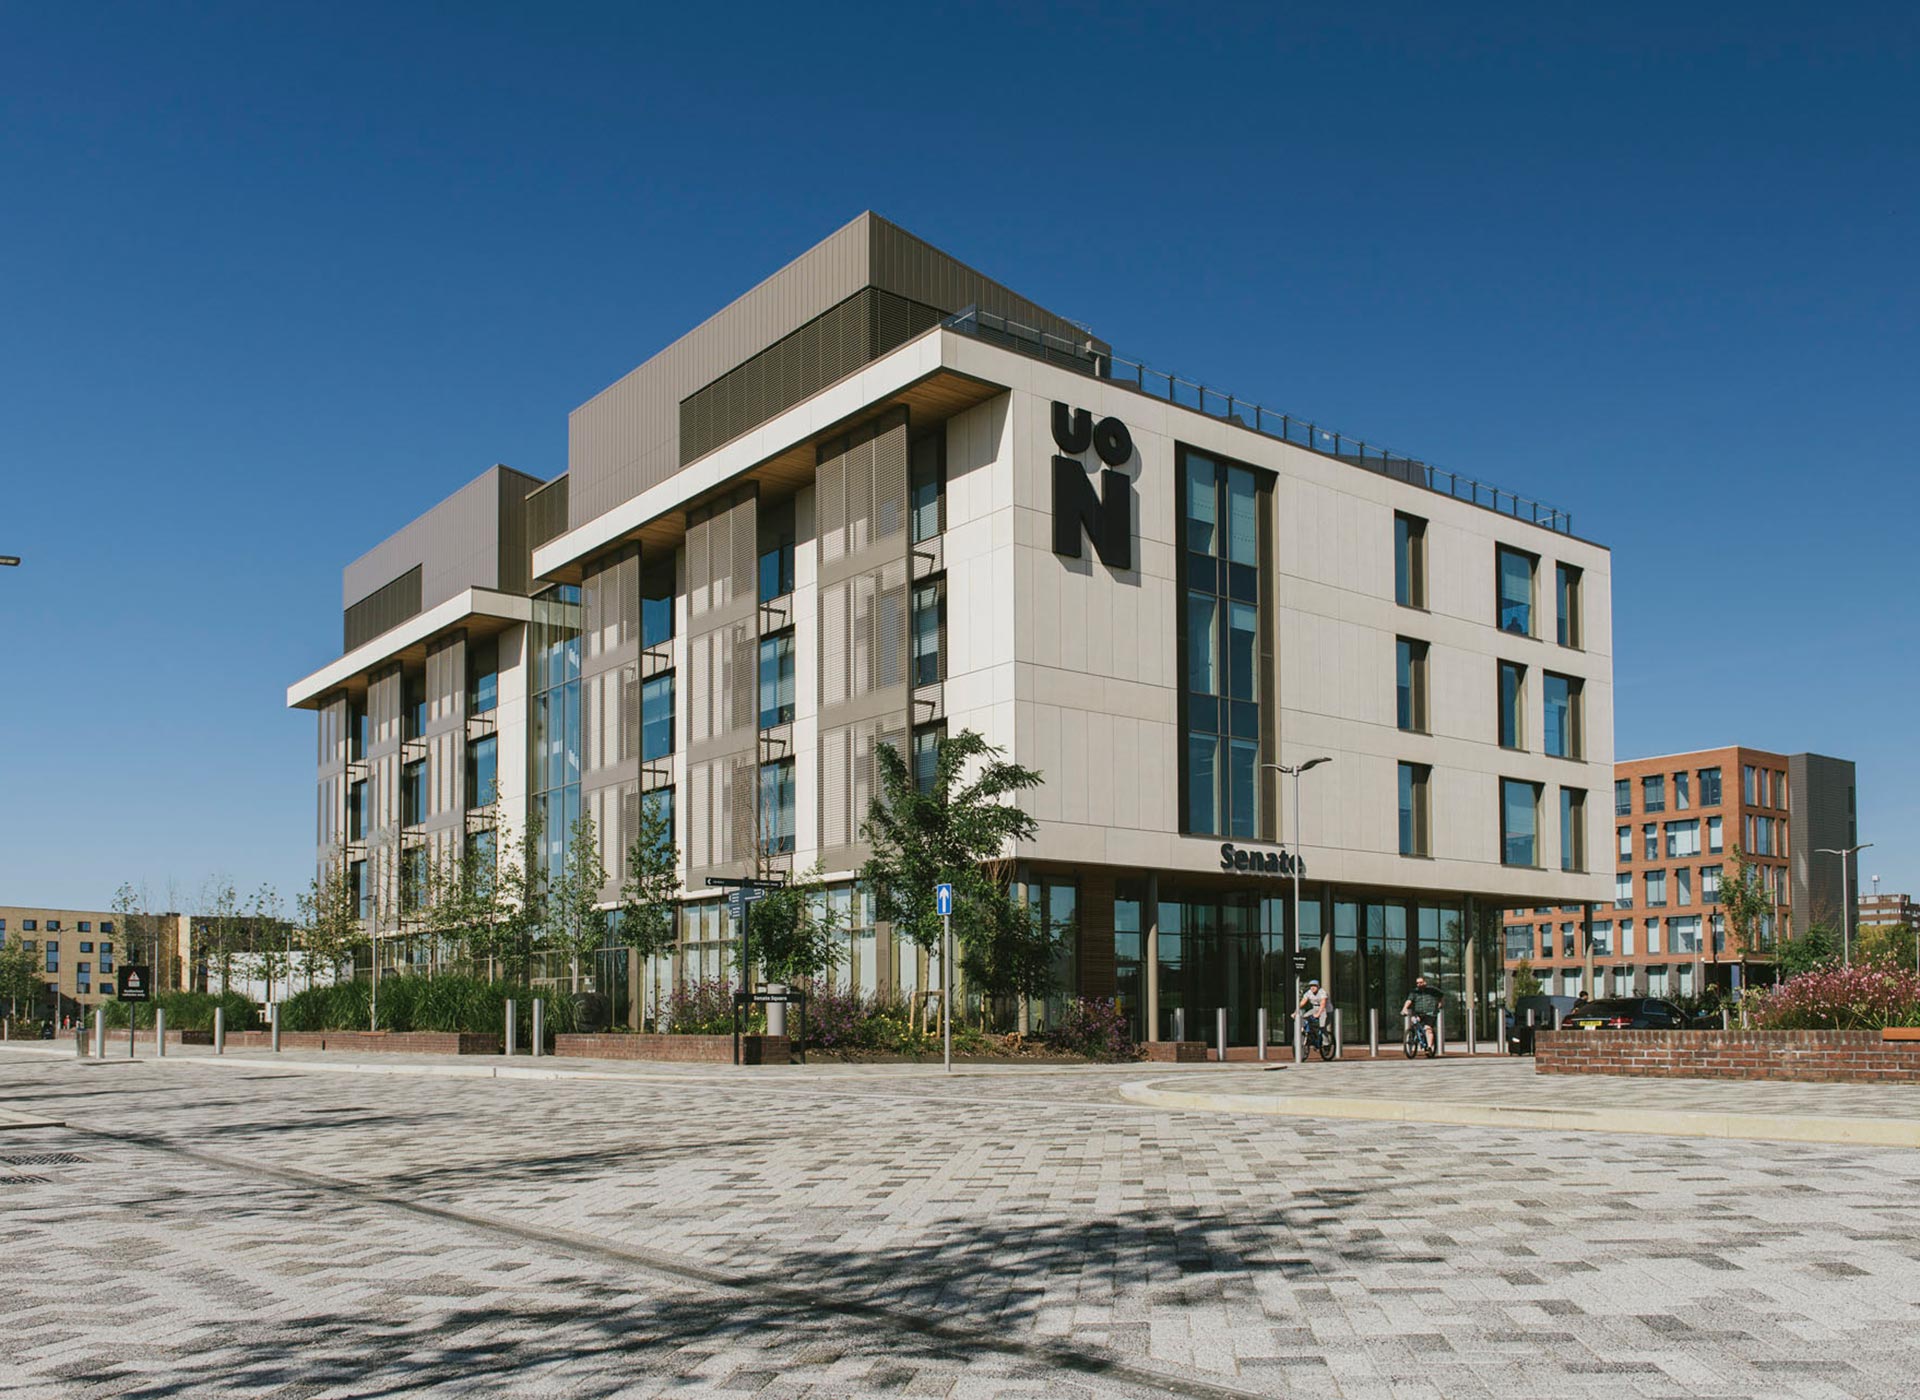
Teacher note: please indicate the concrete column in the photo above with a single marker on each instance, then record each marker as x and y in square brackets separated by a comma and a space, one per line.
[1150, 920]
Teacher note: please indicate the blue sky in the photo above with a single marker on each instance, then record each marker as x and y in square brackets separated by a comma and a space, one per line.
[276, 279]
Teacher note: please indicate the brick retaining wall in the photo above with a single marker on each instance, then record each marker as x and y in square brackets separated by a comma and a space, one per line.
[362, 1042]
[684, 1049]
[1179, 1052]
[1837, 1057]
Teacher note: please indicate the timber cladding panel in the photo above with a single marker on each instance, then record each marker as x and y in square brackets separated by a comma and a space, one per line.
[863, 545]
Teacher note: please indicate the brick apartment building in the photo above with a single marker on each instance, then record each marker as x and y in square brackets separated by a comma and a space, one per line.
[77, 952]
[1677, 820]
[1886, 911]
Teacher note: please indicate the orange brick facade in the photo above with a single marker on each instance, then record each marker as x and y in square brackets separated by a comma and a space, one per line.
[1826, 1057]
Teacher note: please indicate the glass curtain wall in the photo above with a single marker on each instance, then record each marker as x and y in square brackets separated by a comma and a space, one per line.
[553, 750]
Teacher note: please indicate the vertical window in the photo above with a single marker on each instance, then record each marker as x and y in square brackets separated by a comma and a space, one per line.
[776, 552]
[776, 679]
[413, 879]
[1514, 584]
[53, 955]
[1410, 698]
[1513, 698]
[1653, 943]
[929, 626]
[1710, 884]
[483, 770]
[1519, 822]
[776, 807]
[1626, 843]
[1409, 561]
[659, 803]
[1623, 797]
[413, 688]
[357, 727]
[1566, 598]
[1650, 841]
[106, 957]
[1683, 886]
[1748, 788]
[1653, 793]
[1714, 835]
[362, 896]
[656, 718]
[1682, 792]
[1561, 722]
[413, 793]
[926, 485]
[1626, 938]
[1220, 637]
[1709, 787]
[483, 676]
[926, 755]
[1573, 829]
[357, 811]
[656, 601]
[1656, 889]
[1413, 809]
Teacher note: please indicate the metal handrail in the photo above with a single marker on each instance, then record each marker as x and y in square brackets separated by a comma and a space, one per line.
[1086, 356]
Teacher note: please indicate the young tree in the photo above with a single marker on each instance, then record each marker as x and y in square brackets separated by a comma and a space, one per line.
[576, 924]
[797, 934]
[1526, 983]
[329, 918]
[217, 937]
[1889, 944]
[521, 890]
[269, 939]
[1745, 899]
[958, 831]
[19, 974]
[648, 896]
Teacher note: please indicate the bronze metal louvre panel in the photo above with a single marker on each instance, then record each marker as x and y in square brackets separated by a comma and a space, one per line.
[385, 608]
[546, 512]
[609, 658]
[720, 698]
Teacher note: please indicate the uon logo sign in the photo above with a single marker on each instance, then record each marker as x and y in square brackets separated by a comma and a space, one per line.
[1107, 519]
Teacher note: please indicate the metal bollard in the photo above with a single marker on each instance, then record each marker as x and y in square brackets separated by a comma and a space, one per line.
[1339, 1034]
[159, 1031]
[1261, 1031]
[80, 1039]
[1220, 1032]
[219, 1030]
[1473, 1034]
[1556, 1018]
[274, 1012]
[1440, 1032]
[1299, 1037]
[1726, 1019]
[539, 1026]
[512, 1038]
[100, 1033]
[1373, 1031]
[1179, 1023]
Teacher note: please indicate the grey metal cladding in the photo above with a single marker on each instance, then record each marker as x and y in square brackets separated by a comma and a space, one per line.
[722, 647]
[456, 545]
[386, 607]
[626, 438]
[1822, 814]
[546, 512]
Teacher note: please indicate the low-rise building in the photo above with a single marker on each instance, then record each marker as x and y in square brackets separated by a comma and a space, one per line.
[78, 952]
[1886, 911]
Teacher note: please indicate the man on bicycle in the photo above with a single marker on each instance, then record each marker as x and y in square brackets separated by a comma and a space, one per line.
[1313, 1005]
[1423, 1004]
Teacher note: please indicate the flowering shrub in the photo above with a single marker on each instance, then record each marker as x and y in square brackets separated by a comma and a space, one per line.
[706, 1008]
[1095, 1028]
[1866, 996]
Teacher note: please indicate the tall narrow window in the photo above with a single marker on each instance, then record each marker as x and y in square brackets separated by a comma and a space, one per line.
[1410, 664]
[1623, 797]
[413, 688]
[357, 729]
[1709, 787]
[776, 679]
[656, 600]
[1682, 791]
[1413, 809]
[1626, 843]
[1514, 587]
[1709, 884]
[656, 718]
[1220, 628]
[1623, 891]
[483, 770]
[357, 812]
[1656, 889]
[929, 627]
[659, 803]
[776, 552]
[413, 793]
[1715, 838]
[926, 485]
[1653, 793]
[1409, 561]
[1650, 841]
[483, 676]
[1683, 886]
[1513, 697]
[926, 754]
[1573, 829]
[1566, 596]
[1560, 723]
[1519, 822]
[776, 807]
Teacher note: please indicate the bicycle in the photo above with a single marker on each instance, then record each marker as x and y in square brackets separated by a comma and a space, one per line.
[1320, 1037]
[1416, 1040]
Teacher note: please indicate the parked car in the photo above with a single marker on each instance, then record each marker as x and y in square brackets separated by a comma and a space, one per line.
[1519, 1033]
[1630, 1014]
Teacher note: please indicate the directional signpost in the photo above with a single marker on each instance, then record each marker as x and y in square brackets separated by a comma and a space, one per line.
[742, 895]
[136, 982]
[943, 905]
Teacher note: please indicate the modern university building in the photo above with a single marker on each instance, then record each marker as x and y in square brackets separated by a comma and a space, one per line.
[881, 497]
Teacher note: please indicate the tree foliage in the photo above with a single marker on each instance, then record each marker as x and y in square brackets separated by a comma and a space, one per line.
[19, 974]
[648, 894]
[576, 926]
[1816, 949]
[1526, 983]
[1745, 899]
[797, 933]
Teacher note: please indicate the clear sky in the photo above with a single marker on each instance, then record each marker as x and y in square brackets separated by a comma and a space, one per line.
[274, 279]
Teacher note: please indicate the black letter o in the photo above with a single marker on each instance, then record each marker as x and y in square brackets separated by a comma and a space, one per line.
[1113, 442]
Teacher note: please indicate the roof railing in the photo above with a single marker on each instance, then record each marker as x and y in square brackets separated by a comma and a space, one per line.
[1087, 357]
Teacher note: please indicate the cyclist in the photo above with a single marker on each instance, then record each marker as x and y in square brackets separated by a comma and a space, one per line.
[1423, 1004]
[1313, 1005]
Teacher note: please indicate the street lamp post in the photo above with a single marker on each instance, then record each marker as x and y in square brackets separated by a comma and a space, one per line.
[1294, 772]
[1846, 854]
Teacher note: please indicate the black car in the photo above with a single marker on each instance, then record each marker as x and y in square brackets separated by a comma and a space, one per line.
[1519, 1033]
[1628, 1014]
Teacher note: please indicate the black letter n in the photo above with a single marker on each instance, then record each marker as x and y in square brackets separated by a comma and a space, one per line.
[1107, 521]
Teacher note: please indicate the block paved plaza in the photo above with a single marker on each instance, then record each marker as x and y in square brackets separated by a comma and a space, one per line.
[267, 1231]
